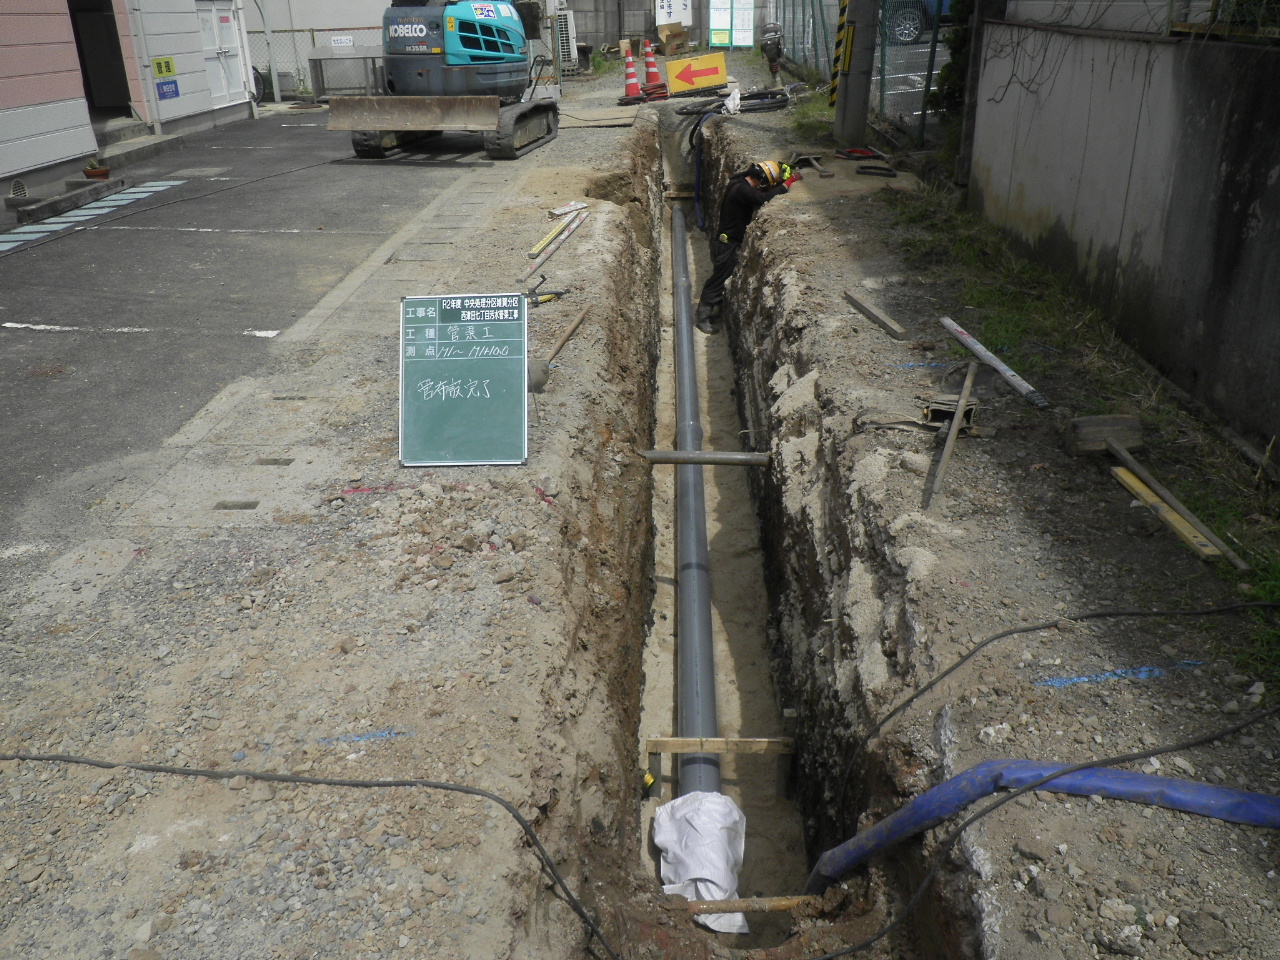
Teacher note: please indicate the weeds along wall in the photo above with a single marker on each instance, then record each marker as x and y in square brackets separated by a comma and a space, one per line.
[1150, 170]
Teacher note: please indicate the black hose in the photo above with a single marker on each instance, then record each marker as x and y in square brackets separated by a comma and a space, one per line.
[953, 837]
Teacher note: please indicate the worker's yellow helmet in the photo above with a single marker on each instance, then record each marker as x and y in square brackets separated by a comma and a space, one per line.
[768, 171]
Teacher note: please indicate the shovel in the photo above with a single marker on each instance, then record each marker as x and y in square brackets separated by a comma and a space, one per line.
[540, 370]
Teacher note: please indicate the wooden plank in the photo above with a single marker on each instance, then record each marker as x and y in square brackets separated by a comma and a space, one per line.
[1173, 520]
[751, 904]
[883, 321]
[769, 745]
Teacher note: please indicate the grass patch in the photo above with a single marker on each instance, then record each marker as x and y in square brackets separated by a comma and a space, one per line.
[602, 66]
[1038, 324]
[813, 119]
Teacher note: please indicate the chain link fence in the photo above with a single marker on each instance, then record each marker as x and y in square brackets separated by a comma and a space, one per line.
[292, 49]
[909, 50]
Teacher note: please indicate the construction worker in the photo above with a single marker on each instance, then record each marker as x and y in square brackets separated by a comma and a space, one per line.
[746, 193]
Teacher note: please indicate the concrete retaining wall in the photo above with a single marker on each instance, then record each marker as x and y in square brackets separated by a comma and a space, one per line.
[1150, 170]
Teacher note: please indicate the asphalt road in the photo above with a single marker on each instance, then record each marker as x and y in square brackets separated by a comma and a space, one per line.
[116, 328]
[905, 69]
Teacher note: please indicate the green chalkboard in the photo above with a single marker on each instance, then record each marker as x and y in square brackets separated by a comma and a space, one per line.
[463, 379]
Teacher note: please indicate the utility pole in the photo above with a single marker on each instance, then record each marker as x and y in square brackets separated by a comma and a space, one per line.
[853, 92]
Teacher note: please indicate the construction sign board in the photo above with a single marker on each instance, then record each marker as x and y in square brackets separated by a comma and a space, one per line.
[697, 73]
[732, 23]
[463, 368]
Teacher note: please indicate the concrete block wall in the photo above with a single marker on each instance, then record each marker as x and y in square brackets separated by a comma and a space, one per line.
[1150, 170]
[602, 22]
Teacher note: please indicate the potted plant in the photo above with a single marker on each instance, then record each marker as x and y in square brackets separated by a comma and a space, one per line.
[95, 171]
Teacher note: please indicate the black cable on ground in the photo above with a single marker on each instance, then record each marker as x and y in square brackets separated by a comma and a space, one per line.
[527, 827]
[1031, 628]
[759, 102]
[953, 837]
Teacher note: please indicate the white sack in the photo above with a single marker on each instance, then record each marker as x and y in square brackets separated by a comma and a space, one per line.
[701, 836]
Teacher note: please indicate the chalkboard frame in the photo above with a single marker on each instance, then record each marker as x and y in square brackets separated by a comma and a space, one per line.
[458, 408]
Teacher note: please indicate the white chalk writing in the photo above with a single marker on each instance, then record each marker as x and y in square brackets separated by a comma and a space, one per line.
[456, 389]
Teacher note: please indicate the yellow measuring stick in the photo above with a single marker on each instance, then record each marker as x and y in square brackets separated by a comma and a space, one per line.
[1176, 523]
[546, 241]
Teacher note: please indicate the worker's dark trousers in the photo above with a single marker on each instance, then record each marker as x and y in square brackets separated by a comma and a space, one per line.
[724, 257]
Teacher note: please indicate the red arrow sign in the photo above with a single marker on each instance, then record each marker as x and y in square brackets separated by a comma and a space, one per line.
[688, 74]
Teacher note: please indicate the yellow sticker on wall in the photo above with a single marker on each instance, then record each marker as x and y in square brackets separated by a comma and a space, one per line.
[163, 67]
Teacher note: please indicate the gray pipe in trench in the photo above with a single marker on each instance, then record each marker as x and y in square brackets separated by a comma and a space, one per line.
[695, 662]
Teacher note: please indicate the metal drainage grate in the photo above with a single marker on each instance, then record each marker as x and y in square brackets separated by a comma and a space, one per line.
[236, 505]
[274, 461]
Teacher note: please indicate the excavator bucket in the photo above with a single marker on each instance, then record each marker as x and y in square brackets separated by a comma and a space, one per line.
[474, 114]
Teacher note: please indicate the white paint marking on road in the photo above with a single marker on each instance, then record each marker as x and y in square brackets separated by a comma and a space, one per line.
[303, 124]
[262, 333]
[108, 226]
[55, 328]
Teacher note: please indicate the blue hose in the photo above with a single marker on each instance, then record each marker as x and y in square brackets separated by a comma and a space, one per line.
[947, 799]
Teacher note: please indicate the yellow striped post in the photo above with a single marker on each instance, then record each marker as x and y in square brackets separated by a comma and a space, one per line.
[838, 57]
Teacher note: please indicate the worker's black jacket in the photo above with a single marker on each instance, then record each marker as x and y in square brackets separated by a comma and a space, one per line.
[739, 204]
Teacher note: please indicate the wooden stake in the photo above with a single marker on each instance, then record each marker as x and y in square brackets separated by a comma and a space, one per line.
[954, 430]
[883, 321]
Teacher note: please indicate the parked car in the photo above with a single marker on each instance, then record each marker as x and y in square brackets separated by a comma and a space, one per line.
[907, 21]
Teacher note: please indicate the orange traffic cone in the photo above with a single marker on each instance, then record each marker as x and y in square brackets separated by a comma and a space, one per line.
[633, 85]
[651, 74]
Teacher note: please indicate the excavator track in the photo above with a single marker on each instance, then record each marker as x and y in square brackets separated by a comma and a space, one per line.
[522, 127]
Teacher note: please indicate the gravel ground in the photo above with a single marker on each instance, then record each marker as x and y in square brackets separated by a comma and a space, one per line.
[470, 625]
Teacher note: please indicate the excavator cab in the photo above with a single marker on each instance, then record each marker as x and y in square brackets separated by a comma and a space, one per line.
[458, 66]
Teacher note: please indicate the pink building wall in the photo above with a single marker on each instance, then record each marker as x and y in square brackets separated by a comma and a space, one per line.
[38, 61]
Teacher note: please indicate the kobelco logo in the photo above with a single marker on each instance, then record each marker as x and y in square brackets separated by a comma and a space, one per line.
[407, 30]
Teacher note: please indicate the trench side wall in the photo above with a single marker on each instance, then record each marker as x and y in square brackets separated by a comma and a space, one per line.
[839, 565]
[606, 564]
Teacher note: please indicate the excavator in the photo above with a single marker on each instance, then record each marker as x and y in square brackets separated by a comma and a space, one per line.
[455, 65]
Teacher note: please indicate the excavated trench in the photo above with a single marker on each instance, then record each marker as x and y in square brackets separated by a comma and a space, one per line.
[807, 605]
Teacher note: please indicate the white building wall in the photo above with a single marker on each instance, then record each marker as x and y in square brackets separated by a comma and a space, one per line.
[315, 14]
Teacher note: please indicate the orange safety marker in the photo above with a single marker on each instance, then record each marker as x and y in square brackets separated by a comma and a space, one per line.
[633, 84]
[651, 74]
